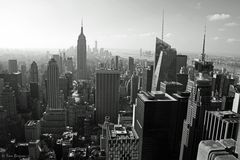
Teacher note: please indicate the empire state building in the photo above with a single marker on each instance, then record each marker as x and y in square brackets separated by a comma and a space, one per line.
[81, 56]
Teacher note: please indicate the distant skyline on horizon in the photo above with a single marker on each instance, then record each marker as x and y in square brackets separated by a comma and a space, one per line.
[122, 24]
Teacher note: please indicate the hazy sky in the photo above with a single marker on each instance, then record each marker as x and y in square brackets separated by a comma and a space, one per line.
[123, 24]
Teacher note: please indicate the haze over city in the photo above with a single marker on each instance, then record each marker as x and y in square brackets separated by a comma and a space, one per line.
[121, 24]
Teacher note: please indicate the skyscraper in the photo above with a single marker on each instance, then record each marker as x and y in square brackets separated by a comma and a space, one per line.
[134, 88]
[181, 62]
[53, 84]
[165, 64]
[131, 65]
[116, 62]
[81, 56]
[69, 64]
[34, 72]
[155, 124]
[147, 79]
[107, 95]
[9, 100]
[54, 119]
[24, 74]
[12, 66]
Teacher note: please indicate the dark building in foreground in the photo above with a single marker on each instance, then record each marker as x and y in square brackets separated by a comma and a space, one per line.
[107, 95]
[155, 123]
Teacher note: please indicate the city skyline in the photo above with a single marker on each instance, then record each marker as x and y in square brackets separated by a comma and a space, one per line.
[55, 24]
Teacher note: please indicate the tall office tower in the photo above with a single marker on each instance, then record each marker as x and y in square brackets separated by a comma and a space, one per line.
[122, 143]
[155, 124]
[147, 79]
[53, 84]
[217, 150]
[54, 119]
[107, 95]
[34, 90]
[165, 69]
[69, 64]
[220, 125]
[180, 115]
[34, 72]
[199, 102]
[221, 84]
[24, 74]
[131, 65]
[32, 130]
[116, 62]
[227, 103]
[81, 56]
[112, 64]
[181, 62]
[96, 47]
[134, 88]
[12, 66]
[160, 46]
[9, 100]
[61, 63]
[57, 58]
[171, 87]
[183, 79]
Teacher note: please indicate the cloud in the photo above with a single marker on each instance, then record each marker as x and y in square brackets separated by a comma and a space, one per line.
[216, 38]
[231, 40]
[231, 24]
[216, 17]
[221, 29]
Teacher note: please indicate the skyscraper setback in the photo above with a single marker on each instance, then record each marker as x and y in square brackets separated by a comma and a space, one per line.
[81, 56]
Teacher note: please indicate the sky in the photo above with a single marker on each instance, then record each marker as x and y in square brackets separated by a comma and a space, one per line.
[121, 24]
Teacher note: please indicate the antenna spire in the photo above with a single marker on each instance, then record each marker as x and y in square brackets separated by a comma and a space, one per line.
[203, 50]
[82, 26]
[163, 25]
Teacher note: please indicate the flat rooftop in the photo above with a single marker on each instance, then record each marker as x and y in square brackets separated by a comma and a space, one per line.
[156, 96]
[121, 132]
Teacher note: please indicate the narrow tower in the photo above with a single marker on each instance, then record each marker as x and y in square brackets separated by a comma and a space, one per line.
[81, 56]
[53, 84]
[203, 50]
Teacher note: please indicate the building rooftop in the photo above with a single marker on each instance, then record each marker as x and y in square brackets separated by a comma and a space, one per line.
[31, 123]
[156, 96]
[226, 114]
[121, 132]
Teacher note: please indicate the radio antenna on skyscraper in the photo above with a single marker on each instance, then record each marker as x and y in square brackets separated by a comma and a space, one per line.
[163, 25]
[203, 50]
